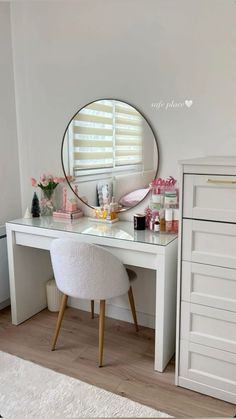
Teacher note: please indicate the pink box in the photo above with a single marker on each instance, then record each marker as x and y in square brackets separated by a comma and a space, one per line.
[71, 206]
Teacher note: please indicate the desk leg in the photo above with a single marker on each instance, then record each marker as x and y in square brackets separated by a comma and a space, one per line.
[29, 269]
[166, 280]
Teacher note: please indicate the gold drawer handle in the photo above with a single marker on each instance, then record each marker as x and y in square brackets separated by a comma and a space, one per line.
[221, 181]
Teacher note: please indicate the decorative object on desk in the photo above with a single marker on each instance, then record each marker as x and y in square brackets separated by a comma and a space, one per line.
[70, 209]
[164, 193]
[69, 204]
[54, 296]
[148, 216]
[47, 202]
[27, 213]
[35, 209]
[104, 192]
[163, 203]
[107, 213]
[139, 222]
[70, 215]
[47, 184]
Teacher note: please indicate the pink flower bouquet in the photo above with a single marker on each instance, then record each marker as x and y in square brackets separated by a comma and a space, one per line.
[47, 184]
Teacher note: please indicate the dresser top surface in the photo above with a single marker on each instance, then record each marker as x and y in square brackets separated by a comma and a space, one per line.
[122, 230]
[211, 161]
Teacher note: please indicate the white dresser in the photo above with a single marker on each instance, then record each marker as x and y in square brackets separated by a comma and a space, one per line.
[206, 318]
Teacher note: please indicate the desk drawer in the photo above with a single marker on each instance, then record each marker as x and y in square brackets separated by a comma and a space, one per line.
[208, 326]
[210, 197]
[33, 240]
[213, 370]
[209, 242]
[209, 285]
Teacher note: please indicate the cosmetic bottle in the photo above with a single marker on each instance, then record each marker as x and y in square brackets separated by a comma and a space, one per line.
[114, 205]
[108, 217]
[170, 199]
[157, 224]
[168, 219]
[162, 221]
[113, 209]
[151, 223]
[175, 222]
[155, 213]
[105, 211]
[156, 200]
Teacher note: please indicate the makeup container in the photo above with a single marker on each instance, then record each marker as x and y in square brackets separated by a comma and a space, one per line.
[139, 222]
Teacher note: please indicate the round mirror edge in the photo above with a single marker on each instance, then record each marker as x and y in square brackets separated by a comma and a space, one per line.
[151, 128]
[63, 167]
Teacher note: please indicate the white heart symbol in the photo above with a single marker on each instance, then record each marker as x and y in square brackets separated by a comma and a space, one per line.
[188, 103]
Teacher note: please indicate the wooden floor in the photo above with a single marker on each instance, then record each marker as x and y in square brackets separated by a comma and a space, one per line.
[128, 360]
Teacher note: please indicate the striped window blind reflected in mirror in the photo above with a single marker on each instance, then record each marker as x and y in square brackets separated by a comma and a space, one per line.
[105, 134]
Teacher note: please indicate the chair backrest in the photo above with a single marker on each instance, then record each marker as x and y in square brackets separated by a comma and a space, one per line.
[84, 270]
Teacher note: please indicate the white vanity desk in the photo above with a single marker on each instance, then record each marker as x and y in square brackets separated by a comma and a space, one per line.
[29, 266]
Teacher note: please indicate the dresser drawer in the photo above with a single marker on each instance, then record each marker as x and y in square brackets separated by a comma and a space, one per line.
[209, 285]
[208, 370]
[210, 197]
[208, 326]
[209, 242]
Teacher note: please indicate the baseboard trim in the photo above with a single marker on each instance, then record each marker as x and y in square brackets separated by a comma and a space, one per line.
[115, 312]
[5, 303]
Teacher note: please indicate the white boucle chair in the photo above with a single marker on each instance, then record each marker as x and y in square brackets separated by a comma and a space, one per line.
[86, 271]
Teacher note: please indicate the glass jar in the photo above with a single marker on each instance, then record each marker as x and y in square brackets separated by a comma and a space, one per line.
[47, 202]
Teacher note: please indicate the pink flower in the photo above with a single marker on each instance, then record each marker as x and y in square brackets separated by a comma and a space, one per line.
[43, 178]
[47, 182]
[34, 182]
[44, 182]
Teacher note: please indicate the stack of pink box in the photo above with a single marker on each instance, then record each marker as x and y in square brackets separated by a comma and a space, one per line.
[70, 209]
[71, 215]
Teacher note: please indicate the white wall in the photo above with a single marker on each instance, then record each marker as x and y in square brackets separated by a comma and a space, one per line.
[69, 53]
[10, 198]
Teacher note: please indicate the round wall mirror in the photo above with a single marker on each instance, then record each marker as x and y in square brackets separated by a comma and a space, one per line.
[111, 152]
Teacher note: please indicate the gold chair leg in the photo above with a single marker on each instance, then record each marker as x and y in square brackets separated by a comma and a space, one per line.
[59, 321]
[92, 309]
[101, 330]
[132, 305]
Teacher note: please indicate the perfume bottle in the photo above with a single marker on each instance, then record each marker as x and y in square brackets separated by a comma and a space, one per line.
[162, 221]
[113, 209]
[113, 205]
[168, 219]
[157, 224]
[175, 222]
[151, 223]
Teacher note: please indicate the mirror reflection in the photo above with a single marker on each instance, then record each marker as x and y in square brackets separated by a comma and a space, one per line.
[111, 151]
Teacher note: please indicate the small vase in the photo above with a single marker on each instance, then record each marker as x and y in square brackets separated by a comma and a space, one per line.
[47, 204]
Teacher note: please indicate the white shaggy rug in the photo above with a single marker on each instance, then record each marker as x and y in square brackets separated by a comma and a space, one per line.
[28, 390]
